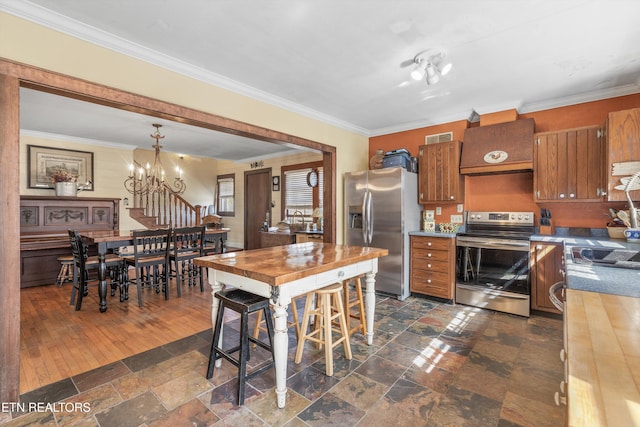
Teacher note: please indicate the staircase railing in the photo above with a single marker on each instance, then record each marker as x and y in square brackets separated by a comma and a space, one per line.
[165, 208]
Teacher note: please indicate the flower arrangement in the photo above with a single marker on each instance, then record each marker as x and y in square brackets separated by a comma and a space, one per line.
[62, 174]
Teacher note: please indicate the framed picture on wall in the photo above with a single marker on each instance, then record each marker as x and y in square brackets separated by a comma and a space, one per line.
[275, 183]
[45, 162]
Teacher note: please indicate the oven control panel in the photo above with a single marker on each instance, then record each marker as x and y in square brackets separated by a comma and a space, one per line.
[512, 218]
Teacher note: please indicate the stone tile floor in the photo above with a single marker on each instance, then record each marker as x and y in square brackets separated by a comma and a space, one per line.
[431, 364]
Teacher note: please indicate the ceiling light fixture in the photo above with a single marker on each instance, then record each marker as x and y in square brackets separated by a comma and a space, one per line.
[432, 64]
[151, 179]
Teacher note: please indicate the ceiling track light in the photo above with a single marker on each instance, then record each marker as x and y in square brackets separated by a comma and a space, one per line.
[430, 63]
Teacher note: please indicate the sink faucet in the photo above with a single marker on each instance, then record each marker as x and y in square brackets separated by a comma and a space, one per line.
[301, 217]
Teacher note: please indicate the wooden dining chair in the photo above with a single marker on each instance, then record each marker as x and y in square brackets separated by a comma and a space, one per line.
[82, 263]
[150, 260]
[187, 244]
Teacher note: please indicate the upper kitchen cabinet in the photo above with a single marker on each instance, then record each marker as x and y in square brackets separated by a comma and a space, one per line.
[569, 165]
[440, 179]
[623, 145]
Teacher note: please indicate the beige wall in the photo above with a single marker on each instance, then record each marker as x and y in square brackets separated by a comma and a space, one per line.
[32, 44]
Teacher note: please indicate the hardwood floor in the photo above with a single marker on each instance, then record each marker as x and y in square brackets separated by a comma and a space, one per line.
[57, 342]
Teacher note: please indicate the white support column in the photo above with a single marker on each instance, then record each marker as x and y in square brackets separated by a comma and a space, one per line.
[370, 302]
[280, 350]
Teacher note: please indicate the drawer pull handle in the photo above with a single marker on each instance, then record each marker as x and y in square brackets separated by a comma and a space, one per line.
[428, 280]
[428, 243]
[340, 273]
[429, 265]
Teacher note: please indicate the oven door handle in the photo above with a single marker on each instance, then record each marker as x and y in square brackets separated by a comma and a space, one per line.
[490, 244]
[502, 294]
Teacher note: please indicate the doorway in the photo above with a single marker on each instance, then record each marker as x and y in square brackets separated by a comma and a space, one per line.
[14, 75]
[257, 205]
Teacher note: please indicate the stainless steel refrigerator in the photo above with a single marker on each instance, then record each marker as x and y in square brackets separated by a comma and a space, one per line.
[381, 208]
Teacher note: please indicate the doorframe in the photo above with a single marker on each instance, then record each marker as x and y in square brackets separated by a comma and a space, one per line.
[14, 75]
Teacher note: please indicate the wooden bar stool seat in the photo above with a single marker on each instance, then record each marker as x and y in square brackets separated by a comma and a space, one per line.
[66, 270]
[349, 303]
[243, 303]
[328, 307]
[295, 323]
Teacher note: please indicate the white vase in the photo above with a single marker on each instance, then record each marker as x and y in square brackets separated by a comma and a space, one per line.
[66, 189]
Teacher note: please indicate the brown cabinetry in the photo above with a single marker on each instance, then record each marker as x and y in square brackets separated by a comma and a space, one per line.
[569, 165]
[547, 268]
[44, 221]
[268, 240]
[309, 237]
[432, 266]
[439, 169]
[623, 145]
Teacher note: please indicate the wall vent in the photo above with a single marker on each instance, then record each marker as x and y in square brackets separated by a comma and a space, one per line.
[438, 137]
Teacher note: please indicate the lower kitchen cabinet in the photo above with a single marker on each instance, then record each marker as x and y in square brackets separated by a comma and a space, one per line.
[269, 239]
[432, 266]
[547, 268]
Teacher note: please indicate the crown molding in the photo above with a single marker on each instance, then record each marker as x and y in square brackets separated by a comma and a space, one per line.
[630, 89]
[55, 21]
[596, 95]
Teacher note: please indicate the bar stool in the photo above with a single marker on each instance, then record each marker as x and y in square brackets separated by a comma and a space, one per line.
[66, 270]
[295, 323]
[328, 307]
[358, 301]
[243, 303]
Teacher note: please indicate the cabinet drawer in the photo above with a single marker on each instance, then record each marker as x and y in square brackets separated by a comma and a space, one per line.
[430, 265]
[431, 278]
[440, 243]
[434, 284]
[430, 255]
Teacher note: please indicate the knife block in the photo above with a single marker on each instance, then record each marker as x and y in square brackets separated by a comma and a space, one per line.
[548, 230]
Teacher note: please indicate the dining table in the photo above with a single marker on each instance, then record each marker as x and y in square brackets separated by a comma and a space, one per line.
[106, 240]
[284, 272]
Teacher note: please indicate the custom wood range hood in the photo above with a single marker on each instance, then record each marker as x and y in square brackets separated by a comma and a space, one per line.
[498, 148]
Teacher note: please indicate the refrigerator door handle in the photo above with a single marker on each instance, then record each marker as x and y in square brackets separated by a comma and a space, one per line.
[364, 217]
[369, 220]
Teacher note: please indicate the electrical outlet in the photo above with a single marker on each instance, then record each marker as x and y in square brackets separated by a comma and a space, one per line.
[438, 210]
[460, 208]
[456, 219]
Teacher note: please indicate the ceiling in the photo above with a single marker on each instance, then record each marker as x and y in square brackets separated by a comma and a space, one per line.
[344, 62]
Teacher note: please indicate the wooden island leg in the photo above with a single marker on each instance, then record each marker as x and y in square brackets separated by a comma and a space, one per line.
[370, 303]
[280, 351]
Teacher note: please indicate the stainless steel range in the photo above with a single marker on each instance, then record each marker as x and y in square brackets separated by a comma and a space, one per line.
[493, 261]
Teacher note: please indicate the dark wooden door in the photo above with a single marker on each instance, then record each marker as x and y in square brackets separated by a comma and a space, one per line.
[257, 204]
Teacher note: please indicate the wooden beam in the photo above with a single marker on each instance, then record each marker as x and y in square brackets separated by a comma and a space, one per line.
[10, 247]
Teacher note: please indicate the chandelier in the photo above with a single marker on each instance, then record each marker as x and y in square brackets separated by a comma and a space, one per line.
[151, 179]
[430, 65]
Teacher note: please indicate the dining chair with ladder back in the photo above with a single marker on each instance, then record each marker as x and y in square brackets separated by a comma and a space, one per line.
[150, 261]
[187, 244]
[82, 263]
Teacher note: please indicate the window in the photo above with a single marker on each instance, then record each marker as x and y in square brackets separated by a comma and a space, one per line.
[225, 200]
[297, 195]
